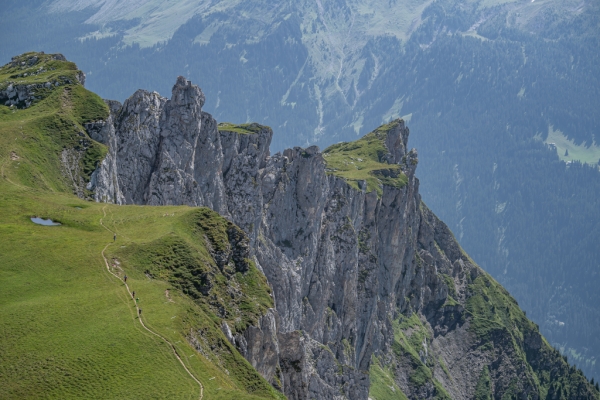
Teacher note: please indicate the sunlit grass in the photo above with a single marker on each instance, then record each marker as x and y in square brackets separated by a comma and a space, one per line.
[361, 161]
[69, 328]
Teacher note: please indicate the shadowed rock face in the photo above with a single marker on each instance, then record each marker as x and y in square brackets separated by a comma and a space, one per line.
[344, 264]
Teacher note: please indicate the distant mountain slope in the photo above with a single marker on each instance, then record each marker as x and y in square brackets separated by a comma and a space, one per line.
[484, 85]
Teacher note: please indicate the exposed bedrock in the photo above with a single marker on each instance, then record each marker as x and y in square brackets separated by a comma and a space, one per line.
[344, 264]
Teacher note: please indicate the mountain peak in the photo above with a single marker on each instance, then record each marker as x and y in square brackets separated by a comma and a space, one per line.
[32, 76]
[377, 159]
[184, 93]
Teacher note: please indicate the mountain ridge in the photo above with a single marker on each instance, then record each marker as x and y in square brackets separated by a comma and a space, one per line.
[483, 87]
[300, 220]
[366, 280]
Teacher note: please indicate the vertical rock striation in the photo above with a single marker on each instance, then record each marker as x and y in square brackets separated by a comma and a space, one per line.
[349, 266]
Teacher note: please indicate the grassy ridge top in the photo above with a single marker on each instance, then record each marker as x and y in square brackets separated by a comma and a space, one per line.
[362, 160]
[185, 260]
[69, 328]
[244, 129]
[38, 68]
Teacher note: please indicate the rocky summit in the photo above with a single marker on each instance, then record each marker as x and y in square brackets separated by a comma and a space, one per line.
[374, 297]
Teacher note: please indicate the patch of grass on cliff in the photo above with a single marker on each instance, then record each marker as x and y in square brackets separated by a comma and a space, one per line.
[257, 299]
[450, 299]
[209, 225]
[69, 328]
[409, 335]
[483, 390]
[244, 129]
[449, 283]
[492, 308]
[410, 332]
[361, 160]
[383, 386]
[495, 314]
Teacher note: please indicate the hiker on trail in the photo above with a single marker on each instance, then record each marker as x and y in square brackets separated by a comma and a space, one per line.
[133, 294]
[140, 311]
[125, 278]
[115, 237]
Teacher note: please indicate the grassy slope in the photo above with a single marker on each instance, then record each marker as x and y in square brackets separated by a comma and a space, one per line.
[180, 258]
[69, 328]
[361, 161]
[494, 313]
[52, 123]
[383, 386]
[409, 334]
[496, 320]
[494, 317]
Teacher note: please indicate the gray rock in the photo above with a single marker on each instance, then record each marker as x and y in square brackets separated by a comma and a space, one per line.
[227, 332]
[104, 180]
[95, 129]
[260, 346]
[80, 78]
[342, 263]
[22, 95]
[304, 228]
[18, 95]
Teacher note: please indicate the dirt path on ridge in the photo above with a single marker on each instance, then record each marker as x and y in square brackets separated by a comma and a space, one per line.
[140, 317]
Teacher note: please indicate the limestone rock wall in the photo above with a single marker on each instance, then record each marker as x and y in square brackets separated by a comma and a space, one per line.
[343, 263]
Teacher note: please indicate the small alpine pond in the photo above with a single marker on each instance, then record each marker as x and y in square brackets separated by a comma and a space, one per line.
[41, 221]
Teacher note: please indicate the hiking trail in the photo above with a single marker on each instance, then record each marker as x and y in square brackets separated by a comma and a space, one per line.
[138, 311]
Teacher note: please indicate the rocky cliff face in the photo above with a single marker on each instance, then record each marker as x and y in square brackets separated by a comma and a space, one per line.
[367, 283]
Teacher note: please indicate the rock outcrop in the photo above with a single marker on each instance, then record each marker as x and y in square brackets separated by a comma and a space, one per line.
[360, 277]
[22, 95]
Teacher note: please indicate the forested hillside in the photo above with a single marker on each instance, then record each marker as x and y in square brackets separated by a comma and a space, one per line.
[499, 95]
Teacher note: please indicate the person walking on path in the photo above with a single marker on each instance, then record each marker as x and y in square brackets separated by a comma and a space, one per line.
[125, 279]
[115, 238]
[133, 295]
[140, 312]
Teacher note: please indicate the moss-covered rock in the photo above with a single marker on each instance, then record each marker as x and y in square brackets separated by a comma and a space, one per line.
[366, 161]
[244, 129]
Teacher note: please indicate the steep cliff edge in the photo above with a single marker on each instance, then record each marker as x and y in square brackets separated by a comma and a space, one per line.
[373, 295]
